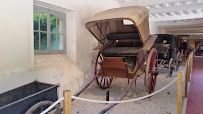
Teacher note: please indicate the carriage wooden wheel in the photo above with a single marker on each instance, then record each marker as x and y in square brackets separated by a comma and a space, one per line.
[170, 67]
[151, 71]
[42, 106]
[102, 81]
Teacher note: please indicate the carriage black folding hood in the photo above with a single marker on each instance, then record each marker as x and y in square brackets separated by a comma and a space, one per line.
[111, 21]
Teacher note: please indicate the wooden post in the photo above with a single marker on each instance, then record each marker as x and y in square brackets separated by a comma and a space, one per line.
[190, 66]
[179, 93]
[67, 102]
[186, 79]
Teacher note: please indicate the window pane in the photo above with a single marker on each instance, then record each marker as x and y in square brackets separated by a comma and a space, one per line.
[60, 42]
[43, 41]
[60, 25]
[43, 21]
[53, 23]
[36, 40]
[53, 42]
[36, 21]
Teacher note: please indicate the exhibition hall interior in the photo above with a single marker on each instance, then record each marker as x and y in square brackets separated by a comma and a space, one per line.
[101, 57]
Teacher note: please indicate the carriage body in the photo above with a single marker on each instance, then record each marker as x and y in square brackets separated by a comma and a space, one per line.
[167, 47]
[124, 42]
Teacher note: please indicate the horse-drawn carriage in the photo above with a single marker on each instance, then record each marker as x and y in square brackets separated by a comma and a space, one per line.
[167, 47]
[125, 48]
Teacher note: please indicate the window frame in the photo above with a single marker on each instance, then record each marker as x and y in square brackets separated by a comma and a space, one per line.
[61, 16]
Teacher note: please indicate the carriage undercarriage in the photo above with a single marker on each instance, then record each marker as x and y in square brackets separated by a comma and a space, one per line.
[170, 65]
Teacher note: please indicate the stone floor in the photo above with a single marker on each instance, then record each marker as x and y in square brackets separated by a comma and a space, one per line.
[162, 103]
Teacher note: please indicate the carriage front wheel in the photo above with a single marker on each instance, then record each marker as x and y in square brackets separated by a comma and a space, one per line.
[102, 81]
[151, 71]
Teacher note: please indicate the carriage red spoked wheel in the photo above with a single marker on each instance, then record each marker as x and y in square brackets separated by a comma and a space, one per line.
[151, 71]
[102, 81]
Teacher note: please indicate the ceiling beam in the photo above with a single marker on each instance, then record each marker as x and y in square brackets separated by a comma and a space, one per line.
[178, 3]
[164, 14]
[179, 12]
[171, 14]
[180, 8]
[157, 6]
[156, 15]
[199, 1]
[188, 12]
[197, 11]
[150, 15]
[147, 2]
[191, 34]
[189, 2]
[161, 14]
[186, 29]
[166, 5]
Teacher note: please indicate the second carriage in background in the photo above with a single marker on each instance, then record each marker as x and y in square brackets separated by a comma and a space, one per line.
[167, 47]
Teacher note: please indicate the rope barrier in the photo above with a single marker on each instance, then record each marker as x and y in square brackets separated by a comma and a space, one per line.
[125, 101]
[54, 104]
[109, 102]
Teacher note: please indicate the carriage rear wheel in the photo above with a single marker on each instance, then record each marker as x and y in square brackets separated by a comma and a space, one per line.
[151, 71]
[102, 81]
[170, 67]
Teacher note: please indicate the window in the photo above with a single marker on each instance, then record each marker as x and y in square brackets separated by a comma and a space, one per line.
[49, 31]
[127, 22]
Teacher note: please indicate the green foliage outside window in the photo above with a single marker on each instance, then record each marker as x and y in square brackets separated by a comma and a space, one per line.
[40, 34]
[36, 21]
[43, 21]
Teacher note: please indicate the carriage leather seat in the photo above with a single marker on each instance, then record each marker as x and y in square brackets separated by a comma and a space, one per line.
[124, 36]
[121, 51]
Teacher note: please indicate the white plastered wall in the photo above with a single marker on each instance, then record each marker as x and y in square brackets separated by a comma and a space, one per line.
[19, 66]
[15, 42]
